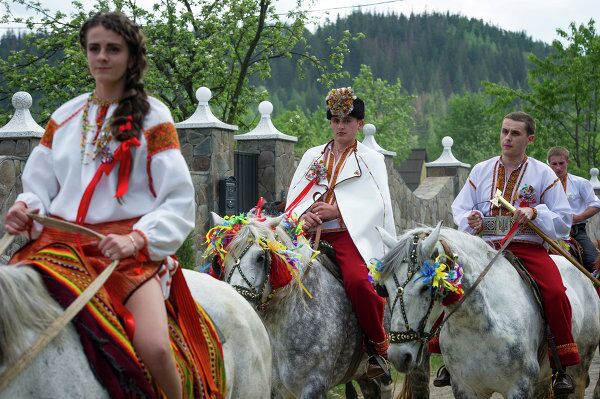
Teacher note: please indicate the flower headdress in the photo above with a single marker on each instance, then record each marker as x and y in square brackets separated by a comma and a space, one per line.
[286, 261]
[340, 102]
[219, 237]
[444, 276]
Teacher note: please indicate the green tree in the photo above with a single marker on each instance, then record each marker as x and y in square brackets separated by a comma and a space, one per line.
[192, 43]
[474, 126]
[563, 96]
[388, 109]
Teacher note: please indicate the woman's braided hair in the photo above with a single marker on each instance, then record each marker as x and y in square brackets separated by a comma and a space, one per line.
[134, 102]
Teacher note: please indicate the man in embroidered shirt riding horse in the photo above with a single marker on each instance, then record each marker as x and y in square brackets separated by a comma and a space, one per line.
[539, 197]
[584, 202]
[341, 189]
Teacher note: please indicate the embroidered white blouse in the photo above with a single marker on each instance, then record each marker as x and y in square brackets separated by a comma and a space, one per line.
[160, 191]
[533, 184]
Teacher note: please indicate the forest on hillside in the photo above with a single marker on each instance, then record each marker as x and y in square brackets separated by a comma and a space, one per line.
[429, 53]
[422, 76]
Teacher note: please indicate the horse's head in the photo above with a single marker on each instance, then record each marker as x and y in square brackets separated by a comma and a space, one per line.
[244, 262]
[257, 254]
[417, 274]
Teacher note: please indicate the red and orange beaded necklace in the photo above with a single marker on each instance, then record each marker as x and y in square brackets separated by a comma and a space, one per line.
[103, 134]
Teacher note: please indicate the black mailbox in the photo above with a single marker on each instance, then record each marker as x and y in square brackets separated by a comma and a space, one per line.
[227, 196]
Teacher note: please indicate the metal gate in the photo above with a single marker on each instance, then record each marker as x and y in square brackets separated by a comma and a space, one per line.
[246, 176]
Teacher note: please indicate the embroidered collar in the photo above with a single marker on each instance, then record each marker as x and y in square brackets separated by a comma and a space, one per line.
[525, 158]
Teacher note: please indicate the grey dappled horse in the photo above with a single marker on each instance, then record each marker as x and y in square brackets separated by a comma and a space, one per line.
[61, 370]
[493, 340]
[314, 341]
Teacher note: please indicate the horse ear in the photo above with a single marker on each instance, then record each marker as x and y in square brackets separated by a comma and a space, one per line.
[216, 219]
[389, 241]
[274, 222]
[428, 244]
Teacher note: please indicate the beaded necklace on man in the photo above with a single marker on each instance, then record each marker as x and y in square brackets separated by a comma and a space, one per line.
[100, 141]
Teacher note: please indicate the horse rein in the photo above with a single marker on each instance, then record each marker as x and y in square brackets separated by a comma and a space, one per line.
[398, 337]
[409, 335]
[250, 293]
[260, 294]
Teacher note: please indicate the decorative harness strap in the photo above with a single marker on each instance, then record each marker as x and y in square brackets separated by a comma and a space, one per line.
[420, 335]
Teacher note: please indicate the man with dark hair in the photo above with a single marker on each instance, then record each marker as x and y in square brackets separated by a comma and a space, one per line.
[340, 189]
[584, 202]
[533, 188]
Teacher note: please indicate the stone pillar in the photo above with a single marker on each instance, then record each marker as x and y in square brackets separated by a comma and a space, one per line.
[21, 134]
[276, 155]
[448, 166]
[207, 146]
[369, 131]
[17, 138]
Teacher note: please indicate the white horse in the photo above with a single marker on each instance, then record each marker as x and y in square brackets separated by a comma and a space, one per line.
[495, 340]
[61, 370]
[315, 341]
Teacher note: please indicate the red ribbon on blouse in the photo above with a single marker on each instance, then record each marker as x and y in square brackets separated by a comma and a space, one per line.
[123, 155]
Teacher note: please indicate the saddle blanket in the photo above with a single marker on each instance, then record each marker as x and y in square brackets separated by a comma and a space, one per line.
[105, 342]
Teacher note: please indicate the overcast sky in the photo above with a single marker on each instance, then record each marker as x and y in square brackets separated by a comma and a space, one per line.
[539, 18]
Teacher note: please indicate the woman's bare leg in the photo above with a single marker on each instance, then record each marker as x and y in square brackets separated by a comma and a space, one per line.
[151, 338]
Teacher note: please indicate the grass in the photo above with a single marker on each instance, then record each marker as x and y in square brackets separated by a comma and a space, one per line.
[435, 362]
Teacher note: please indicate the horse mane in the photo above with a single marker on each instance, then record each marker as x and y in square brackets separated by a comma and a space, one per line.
[25, 308]
[469, 249]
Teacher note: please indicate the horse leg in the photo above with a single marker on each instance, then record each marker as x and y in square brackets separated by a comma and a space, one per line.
[314, 389]
[374, 389]
[350, 391]
[463, 392]
[580, 376]
[523, 390]
[416, 383]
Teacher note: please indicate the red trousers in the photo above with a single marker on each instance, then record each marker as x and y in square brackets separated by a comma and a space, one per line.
[368, 306]
[557, 308]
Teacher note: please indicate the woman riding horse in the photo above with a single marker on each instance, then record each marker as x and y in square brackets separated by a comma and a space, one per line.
[145, 207]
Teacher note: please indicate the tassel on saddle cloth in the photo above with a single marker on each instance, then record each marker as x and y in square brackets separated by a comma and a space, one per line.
[105, 342]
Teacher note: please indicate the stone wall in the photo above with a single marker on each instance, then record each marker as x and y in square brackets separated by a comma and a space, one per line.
[10, 186]
[208, 153]
[429, 203]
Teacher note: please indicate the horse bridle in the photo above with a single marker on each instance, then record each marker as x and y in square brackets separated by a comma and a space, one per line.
[398, 337]
[252, 292]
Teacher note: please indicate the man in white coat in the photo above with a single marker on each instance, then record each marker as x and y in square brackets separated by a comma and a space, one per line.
[341, 188]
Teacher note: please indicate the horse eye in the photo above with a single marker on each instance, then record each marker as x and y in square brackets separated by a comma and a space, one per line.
[424, 289]
[260, 258]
